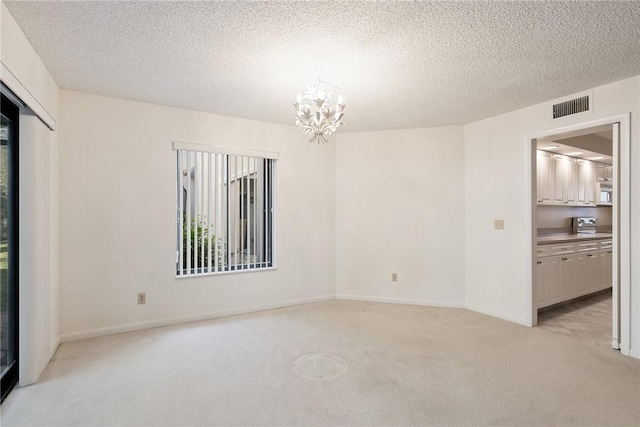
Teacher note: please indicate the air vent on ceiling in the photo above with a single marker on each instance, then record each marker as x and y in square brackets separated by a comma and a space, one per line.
[573, 106]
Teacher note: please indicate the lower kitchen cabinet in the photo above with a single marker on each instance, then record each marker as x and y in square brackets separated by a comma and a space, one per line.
[547, 281]
[573, 276]
[563, 277]
[605, 259]
[589, 273]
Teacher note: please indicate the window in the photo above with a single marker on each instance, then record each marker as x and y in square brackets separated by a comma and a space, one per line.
[9, 241]
[226, 210]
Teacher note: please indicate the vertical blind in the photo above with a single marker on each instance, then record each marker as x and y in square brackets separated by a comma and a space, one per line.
[225, 212]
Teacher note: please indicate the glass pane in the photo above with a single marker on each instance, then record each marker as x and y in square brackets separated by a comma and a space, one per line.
[6, 322]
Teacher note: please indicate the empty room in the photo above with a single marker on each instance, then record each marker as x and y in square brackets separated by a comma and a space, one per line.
[284, 213]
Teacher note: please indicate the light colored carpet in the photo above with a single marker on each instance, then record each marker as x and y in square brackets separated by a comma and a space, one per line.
[385, 365]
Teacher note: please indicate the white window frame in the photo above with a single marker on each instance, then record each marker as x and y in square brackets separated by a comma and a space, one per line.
[227, 261]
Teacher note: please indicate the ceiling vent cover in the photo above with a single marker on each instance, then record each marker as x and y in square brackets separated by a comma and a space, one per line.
[572, 106]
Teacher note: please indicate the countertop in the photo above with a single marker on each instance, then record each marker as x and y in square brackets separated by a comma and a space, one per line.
[567, 238]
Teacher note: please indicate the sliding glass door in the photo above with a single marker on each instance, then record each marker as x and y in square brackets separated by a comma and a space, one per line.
[8, 245]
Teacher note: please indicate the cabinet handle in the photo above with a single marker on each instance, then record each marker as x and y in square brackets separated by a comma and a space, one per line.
[589, 255]
[564, 259]
[609, 252]
[539, 262]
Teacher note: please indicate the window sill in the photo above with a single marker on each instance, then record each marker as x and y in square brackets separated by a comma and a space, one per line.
[219, 273]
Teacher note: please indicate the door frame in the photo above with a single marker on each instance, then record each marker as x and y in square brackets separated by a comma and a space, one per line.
[10, 378]
[621, 219]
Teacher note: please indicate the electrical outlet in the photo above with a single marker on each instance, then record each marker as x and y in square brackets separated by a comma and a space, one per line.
[394, 277]
[498, 224]
[142, 298]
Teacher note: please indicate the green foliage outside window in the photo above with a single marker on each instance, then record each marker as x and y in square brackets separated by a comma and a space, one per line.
[201, 237]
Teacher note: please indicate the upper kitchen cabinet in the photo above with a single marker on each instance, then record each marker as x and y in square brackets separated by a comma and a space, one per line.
[604, 173]
[564, 180]
[564, 187]
[586, 183]
[545, 174]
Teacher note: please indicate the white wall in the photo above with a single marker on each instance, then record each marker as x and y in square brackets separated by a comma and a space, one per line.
[24, 73]
[118, 215]
[400, 208]
[497, 176]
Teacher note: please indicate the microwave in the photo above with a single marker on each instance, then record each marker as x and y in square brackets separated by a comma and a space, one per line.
[604, 193]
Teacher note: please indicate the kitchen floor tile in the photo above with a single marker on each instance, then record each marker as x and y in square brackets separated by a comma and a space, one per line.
[587, 319]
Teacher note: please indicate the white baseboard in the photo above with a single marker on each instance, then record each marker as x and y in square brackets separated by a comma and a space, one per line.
[428, 303]
[130, 327]
[499, 316]
[634, 353]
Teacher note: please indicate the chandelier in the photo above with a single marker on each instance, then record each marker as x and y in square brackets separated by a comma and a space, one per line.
[315, 115]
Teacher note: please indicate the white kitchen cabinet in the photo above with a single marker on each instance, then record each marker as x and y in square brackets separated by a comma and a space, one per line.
[542, 280]
[588, 246]
[556, 279]
[544, 176]
[586, 194]
[564, 180]
[604, 172]
[548, 280]
[605, 265]
[590, 273]
[605, 259]
[570, 277]
[575, 276]
[565, 271]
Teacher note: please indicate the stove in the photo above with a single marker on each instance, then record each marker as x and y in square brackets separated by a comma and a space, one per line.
[584, 225]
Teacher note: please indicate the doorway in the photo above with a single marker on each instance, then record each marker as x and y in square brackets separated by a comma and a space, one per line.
[569, 270]
[8, 245]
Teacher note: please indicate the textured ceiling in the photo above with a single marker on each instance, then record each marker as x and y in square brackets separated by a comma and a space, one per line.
[400, 64]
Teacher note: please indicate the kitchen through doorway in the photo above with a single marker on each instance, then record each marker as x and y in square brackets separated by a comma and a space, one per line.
[576, 233]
